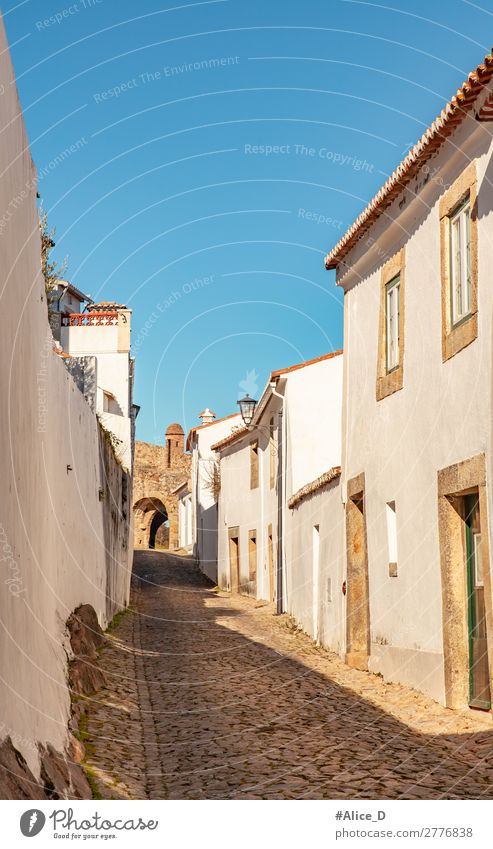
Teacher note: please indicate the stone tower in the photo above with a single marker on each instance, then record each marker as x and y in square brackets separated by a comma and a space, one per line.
[174, 443]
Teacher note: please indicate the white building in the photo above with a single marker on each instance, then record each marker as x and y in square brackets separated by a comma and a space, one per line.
[65, 298]
[99, 339]
[185, 528]
[204, 486]
[280, 511]
[417, 424]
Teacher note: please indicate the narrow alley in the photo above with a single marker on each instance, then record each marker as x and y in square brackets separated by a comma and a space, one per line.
[210, 696]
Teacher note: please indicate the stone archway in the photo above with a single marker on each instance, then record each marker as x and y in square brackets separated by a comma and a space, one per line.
[151, 524]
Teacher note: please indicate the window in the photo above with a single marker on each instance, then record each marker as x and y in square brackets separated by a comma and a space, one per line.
[253, 465]
[392, 538]
[460, 262]
[392, 306]
[329, 589]
[390, 364]
[107, 402]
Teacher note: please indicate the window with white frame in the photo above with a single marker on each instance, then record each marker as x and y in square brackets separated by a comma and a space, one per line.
[392, 307]
[460, 262]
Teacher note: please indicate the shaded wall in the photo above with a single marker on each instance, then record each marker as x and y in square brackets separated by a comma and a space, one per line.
[64, 522]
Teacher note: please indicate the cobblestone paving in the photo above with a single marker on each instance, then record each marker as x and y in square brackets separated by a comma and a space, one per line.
[211, 696]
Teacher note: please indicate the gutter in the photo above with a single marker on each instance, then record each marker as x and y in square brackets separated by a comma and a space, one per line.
[280, 502]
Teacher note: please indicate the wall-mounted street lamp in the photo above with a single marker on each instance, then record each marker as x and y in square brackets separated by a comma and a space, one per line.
[247, 409]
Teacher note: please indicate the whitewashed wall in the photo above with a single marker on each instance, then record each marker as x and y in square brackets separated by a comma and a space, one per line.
[313, 410]
[440, 417]
[315, 599]
[204, 506]
[240, 506]
[313, 418]
[60, 545]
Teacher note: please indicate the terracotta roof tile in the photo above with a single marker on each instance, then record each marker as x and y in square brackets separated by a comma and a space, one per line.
[450, 117]
[282, 371]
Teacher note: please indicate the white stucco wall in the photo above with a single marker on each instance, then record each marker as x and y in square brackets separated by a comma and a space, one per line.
[204, 507]
[318, 584]
[121, 428]
[110, 345]
[311, 446]
[185, 539]
[313, 420]
[442, 414]
[60, 546]
[113, 365]
[240, 506]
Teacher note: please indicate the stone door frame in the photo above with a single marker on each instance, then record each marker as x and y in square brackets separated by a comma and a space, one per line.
[358, 596]
[453, 483]
[234, 580]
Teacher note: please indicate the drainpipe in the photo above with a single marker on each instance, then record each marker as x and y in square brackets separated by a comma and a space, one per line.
[280, 503]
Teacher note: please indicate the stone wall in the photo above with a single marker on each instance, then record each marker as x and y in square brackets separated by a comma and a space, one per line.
[65, 514]
[154, 482]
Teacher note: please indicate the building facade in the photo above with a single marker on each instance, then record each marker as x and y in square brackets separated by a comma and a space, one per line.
[185, 530]
[205, 485]
[99, 341]
[417, 417]
[280, 509]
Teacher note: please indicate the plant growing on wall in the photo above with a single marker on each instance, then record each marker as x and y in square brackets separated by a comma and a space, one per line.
[52, 271]
[212, 478]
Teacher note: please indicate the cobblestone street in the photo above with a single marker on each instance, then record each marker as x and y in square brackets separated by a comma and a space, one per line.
[211, 696]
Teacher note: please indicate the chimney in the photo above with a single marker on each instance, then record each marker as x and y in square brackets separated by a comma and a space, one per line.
[207, 416]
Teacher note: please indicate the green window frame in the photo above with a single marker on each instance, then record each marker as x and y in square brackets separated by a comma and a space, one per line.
[392, 320]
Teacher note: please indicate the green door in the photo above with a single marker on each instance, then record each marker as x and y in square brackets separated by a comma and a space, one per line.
[479, 677]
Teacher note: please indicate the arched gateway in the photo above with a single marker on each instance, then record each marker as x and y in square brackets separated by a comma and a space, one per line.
[151, 524]
[159, 470]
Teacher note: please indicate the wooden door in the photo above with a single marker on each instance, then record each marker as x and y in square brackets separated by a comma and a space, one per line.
[479, 677]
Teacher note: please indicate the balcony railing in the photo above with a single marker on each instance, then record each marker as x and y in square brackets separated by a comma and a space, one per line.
[90, 319]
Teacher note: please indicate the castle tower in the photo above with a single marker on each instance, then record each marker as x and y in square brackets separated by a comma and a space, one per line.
[175, 444]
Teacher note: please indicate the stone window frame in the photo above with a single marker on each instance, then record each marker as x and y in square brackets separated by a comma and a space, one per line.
[455, 338]
[389, 382]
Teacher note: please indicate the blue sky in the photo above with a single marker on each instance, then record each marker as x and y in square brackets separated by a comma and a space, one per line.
[169, 202]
